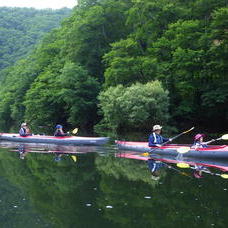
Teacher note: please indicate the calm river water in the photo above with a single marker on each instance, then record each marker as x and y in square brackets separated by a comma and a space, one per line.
[94, 187]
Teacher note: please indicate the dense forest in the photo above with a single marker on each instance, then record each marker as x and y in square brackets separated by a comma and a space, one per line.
[22, 28]
[119, 66]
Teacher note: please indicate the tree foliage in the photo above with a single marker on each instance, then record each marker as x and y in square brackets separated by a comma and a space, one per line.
[136, 106]
[107, 46]
[22, 28]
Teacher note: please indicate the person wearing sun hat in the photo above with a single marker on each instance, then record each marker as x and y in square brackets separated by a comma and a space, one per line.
[24, 130]
[154, 167]
[198, 141]
[155, 138]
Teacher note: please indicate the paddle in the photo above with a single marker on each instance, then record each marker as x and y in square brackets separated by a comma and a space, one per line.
[224, 137]
[74, 158]
[180, 150]
[171, 167]
[75, 131]
[185, 165]
[183, 149]
[184, 132]
[223, 175]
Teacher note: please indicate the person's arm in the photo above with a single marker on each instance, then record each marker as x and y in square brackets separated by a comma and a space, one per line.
[208, 142]
[64, 134]
[165, 139]
[56, 133]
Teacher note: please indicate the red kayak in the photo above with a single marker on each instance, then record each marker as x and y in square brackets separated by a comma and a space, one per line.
[211, 151]
[211, 163]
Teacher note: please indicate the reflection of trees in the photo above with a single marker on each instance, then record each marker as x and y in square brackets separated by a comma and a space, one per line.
[132, 170]
[15, 208]
[58, 190]
[177, 202]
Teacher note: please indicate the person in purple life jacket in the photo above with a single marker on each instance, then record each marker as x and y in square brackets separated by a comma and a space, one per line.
[59, 131]
[156, 139]
[199, 141]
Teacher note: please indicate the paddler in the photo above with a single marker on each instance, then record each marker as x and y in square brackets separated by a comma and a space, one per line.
[154, 166]
[199, 169]
[24, 130]
[199, 143]
[59, 131]
[155, 139]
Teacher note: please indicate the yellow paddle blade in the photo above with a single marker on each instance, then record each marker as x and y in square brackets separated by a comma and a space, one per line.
[225, 176]
[75, 131]
[145, 154]
[74, 158]
[225, 137]
[183, 150]
[188, 130]
[183, 165]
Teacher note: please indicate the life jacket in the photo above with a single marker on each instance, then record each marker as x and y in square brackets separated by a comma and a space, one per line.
[199, 145]
[156, 139]
[22, 132]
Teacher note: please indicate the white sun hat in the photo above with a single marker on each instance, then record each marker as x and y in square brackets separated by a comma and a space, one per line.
[23, 124]
[157, 127]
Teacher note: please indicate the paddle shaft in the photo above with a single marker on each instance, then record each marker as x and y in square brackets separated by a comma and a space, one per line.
[182, 133]
[225, 176]
[216, 174]
[177, 170]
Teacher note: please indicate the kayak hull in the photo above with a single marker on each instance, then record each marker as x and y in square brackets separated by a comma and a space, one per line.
[67, 140]
[217, 152]
[207, 162]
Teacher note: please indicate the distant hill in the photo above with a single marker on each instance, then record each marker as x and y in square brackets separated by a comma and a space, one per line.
[22, 28]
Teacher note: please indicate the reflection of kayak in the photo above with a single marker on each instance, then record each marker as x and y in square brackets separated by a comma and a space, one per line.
[171, 149]
[75, 140]
[218, 164]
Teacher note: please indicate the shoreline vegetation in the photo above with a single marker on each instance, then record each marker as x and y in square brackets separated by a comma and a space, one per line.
[122, 66]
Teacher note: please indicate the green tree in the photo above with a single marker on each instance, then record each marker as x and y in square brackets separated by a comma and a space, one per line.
[137, 106]
[92, 30]
[79, 93]
[22, 28]
[126, 64]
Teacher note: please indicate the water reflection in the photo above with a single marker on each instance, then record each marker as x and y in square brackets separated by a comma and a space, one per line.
[105, 188]
[197, 168]
[155, 168]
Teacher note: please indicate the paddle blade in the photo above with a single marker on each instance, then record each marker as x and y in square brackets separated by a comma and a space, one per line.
[75, 131]
[183, 150]
[74, 158]
[225, 176]
[188, 130]
[183, 165]
[145, 154]
[225, 137]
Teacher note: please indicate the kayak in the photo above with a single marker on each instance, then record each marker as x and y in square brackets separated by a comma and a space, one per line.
[47, 148]
[212, 151]
[69, 140]
[210, 163]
